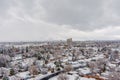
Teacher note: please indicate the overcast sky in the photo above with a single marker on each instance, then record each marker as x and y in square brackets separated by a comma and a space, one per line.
[36, 20]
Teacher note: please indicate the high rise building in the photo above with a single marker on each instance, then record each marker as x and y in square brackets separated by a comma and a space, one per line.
[69, 42]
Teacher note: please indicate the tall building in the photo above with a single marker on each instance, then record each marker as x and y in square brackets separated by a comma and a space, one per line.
[69, 42]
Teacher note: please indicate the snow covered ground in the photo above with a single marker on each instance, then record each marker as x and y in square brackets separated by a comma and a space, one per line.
[73, 77]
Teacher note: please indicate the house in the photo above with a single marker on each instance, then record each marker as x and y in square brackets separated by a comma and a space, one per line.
[23, 75]
[4, 71]
[17, 57]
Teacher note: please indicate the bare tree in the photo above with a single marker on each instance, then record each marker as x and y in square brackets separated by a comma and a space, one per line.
[33, 70]
[4, 59]
[68, 68]
[92, 66]
[77, 78]
[98, 66]
[101, 65]
[114, 76]
[62, 77]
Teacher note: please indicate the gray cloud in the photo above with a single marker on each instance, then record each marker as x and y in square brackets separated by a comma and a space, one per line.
[59, 19]
[82, 14]
[78, 13]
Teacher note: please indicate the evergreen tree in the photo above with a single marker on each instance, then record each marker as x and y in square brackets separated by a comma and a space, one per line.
[12, 72]
[5, 78]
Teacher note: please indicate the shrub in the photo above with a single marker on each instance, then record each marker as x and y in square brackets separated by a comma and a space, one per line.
[12, 72]
[68, 68]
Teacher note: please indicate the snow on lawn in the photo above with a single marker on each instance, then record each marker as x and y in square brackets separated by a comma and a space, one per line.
[84, 70]
[96, 58]
[40, 76]
[73, 77]
[23, 75]
[83, 78]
